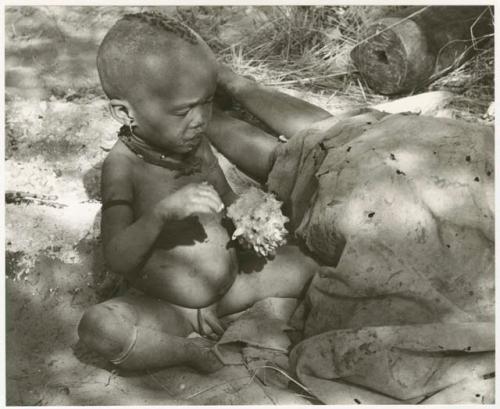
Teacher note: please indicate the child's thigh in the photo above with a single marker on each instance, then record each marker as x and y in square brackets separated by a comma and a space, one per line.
[284, 276]
[152, 313]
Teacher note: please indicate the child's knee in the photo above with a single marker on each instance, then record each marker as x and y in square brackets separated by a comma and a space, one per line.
[108, 328]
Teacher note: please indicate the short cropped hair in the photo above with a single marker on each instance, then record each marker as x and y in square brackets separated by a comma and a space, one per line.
[131, 37]
[161, 21]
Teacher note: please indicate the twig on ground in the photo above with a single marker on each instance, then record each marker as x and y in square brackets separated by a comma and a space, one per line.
[459, 60]
[282, 372]
[362, 90]
[473, 38]
[304, 80]
[18, 197]
[160, 384]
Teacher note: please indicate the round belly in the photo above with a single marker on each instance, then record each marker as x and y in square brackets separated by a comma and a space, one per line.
[191, 264]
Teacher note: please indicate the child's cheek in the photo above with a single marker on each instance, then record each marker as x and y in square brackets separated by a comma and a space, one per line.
[209, 113]
[182, 125]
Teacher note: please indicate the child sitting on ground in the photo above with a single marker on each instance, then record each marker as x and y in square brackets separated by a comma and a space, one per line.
[163, 192]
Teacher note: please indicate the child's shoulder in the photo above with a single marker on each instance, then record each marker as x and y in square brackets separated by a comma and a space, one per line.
[117, 168]
[119, 157]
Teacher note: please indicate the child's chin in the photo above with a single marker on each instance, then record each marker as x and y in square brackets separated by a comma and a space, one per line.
[189, 147]
[182, 149]
[186, 149]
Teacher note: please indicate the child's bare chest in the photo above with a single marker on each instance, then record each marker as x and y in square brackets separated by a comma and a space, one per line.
[153, 183]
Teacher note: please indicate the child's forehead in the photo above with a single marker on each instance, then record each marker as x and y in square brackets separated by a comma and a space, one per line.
[182, 77]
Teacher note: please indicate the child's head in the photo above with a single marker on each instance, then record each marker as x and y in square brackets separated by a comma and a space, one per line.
[160, 77]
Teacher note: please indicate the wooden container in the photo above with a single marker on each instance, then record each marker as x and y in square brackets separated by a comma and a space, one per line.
[401, 52]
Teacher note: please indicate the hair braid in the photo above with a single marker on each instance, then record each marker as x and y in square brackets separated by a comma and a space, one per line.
[169, 24]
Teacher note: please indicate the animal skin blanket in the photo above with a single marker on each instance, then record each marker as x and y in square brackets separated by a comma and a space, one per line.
[400, 210]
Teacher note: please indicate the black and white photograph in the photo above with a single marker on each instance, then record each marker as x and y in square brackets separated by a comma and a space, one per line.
[285, 204]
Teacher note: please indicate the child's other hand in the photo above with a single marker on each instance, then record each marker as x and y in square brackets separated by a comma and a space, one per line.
[190, 199]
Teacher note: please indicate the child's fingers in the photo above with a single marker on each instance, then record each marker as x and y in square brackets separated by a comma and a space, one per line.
[213, 198]
[208, 188]
[215, 203]
[203, 207]
[209, 191]
[209, 198]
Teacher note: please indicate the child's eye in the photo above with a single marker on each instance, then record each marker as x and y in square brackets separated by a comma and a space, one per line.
[183, 112]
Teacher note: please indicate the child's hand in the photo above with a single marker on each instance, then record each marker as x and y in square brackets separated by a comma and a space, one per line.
[190, 199]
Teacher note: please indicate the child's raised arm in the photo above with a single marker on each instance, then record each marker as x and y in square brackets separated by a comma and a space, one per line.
[248, 147]
[283, 113]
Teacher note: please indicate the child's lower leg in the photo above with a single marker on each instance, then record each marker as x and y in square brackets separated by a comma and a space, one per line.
[152, 349]
[285, 114]
[138, 333]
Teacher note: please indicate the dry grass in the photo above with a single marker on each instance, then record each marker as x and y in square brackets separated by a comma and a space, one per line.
[473, 81]
[299, 48]
[290, 46]
[307, 48]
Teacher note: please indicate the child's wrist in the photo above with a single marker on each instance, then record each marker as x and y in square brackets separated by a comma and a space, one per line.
[231, 81]
[158, 216]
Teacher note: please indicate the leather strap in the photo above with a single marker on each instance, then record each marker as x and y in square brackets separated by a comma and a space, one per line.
[117, 202]
[186, 165]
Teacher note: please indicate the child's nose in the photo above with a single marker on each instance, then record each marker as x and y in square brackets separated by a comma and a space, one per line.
[200, 115]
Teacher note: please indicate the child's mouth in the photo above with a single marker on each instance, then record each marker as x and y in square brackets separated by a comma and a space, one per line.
[194, 139]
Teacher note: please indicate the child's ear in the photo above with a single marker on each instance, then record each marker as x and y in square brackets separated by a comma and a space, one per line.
[121, 111]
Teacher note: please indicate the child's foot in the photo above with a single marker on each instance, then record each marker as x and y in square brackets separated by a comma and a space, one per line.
[202, 355]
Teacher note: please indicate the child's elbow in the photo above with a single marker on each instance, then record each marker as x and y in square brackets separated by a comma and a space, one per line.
[115, 267]
[116, 262]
